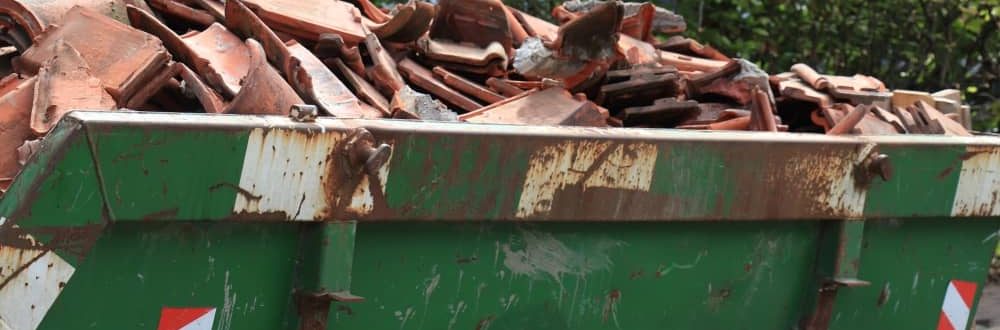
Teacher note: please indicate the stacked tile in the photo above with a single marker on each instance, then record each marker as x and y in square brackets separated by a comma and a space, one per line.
[828, 103]
[474, 61]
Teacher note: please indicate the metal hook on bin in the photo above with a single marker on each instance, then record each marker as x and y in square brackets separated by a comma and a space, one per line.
[364, 152]
[876, 164]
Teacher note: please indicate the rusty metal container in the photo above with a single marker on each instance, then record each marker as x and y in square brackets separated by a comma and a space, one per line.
[170, 221]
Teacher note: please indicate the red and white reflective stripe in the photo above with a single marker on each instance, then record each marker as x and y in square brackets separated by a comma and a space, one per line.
[186, 318]
[957, 305]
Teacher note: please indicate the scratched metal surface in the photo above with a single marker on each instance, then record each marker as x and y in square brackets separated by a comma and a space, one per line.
[247, 167]
[568, 189]
[476, 275]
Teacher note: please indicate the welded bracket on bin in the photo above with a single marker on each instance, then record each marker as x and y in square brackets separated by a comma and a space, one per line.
[326, 261]
[846, 264]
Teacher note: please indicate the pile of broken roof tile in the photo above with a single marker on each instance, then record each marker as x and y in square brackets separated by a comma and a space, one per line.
[458, 60]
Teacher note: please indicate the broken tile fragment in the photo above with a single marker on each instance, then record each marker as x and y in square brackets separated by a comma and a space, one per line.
[15, 128]
[410, 104]
[319, 86]
[65, 83]
[425, 79]
[365, 91]
[478, 22]
[638, 86]
[309, 19]
[491, 60]
[468, 87]
[121, 57]
[552, 106]
[408, 21]
[591, 36]
[667, 112]
[263, 91]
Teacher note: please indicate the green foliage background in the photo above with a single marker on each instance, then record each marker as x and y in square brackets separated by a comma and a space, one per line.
[910, 44]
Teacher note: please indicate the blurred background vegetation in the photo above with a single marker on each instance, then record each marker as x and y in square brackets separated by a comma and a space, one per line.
[910, 44]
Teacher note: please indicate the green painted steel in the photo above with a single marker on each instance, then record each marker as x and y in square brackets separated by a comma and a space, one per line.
[909, 263]
[153, 174]
[683, 173]
[523, 276]
[496, 227]
[327, 257]
[849, 247]
[580, 276]
[919, 186]
[244, 271]
[438, 176]
[150, 171]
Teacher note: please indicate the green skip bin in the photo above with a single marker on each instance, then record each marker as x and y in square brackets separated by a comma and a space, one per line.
[183, 221]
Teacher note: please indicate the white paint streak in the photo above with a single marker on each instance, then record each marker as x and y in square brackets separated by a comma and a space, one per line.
[455, 312]
[627, 166]
[978, 191]
[228, 301]
[990, 237]
[507, 302]
[663, 270]
[27, 297]
[429, 288]
[537, 254]
[403, 317]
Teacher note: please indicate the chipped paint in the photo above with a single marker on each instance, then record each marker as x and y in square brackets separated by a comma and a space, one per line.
[302, 176]
[13, 260]
[823, 181]
[844, 193]
[978, 191]
[281, 173]
[362, 200]
[590, 163]
[28, 295]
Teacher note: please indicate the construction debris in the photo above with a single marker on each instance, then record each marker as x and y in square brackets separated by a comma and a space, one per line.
[457, 60]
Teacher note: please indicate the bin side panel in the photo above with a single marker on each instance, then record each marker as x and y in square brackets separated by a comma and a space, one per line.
[579, 276]
[243, 271]
[270, 168]
[924, 181]
[162, 175]
[910, 264]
